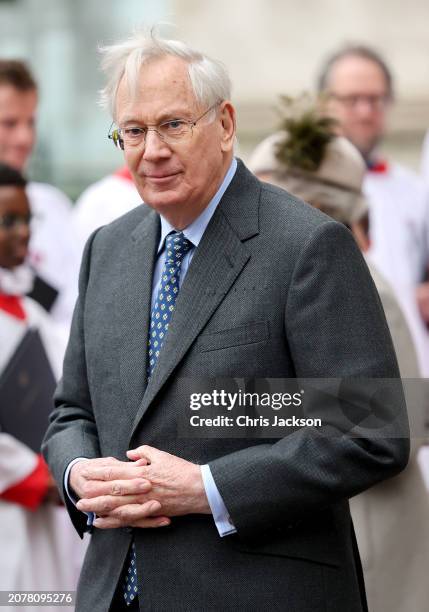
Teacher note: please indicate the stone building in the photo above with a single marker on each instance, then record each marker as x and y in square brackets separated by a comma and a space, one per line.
[270, 47]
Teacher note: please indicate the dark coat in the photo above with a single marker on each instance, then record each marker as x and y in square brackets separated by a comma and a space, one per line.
[275, 289]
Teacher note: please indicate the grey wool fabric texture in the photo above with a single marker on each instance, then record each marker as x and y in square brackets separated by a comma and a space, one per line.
[275, 289]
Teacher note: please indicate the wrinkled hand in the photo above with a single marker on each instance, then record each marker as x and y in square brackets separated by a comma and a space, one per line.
[422, 294]
[106, 485]
[176, 487]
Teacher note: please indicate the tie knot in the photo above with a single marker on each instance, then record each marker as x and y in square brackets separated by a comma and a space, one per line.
[176, 246]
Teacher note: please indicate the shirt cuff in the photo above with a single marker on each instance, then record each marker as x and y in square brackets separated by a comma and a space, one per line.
[90, 515]
[221, 517]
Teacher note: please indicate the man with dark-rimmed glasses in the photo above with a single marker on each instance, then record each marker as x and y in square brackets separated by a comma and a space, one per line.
[360, 91]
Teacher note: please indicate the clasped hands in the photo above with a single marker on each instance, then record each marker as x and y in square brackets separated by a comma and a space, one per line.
[144, 492]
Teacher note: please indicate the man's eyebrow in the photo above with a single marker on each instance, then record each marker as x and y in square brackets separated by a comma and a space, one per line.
[165, 116]
[174, 115]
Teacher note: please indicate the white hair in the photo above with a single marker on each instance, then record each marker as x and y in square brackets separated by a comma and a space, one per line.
[209, 78]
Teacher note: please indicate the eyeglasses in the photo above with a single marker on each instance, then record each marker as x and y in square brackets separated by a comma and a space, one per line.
[376, 101]
[170, 132]
[10, 222]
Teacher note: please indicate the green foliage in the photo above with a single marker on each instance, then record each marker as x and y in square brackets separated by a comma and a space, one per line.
[308, 132]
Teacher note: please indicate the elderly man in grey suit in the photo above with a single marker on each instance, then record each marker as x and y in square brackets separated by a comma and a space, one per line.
[217, 275]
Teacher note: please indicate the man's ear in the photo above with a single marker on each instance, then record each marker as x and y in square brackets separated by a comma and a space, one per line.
[228, 125]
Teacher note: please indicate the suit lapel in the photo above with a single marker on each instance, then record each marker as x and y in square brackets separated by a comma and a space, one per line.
[217, 262]
[134, 305]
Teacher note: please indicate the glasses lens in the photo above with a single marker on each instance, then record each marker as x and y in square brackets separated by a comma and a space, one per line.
[353, 100]
[170, 131]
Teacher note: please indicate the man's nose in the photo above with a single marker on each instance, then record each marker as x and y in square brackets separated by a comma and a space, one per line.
[155, 147]
[365, 107]
[22, 231]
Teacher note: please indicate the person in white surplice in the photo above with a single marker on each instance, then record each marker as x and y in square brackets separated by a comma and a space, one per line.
[38, 549]
[358, 85]
[53, 251]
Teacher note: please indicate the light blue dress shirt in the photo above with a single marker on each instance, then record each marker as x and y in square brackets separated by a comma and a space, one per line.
[194, 233]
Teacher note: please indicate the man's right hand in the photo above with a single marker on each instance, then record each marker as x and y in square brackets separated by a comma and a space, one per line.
[109, 479]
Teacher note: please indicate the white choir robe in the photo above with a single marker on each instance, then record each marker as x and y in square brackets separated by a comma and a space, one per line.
[39, 549]
[424, 163]
[54, 252]
[399, 231]
[103, 202]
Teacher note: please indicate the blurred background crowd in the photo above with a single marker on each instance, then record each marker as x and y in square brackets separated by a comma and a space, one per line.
[369, 169]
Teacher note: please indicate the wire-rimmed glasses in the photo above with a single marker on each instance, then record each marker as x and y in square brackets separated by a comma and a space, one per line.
[170, 132]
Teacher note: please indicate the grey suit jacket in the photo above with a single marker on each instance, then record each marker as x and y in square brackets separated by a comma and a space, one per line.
[275, 289]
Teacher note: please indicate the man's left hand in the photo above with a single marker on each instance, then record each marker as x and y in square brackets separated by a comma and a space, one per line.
[177, 485]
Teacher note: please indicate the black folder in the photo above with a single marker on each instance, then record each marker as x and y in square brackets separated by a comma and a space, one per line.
[44, 293]
[27, 385]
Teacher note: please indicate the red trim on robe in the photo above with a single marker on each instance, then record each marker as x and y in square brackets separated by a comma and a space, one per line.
[379, 167]
[12, 304]
[124, 173]
[31, 491]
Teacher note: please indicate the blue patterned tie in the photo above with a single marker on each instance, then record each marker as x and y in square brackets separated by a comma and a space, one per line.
[176, 247]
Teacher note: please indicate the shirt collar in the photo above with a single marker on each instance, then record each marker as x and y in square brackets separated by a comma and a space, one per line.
[16, 281]
[194, 232]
